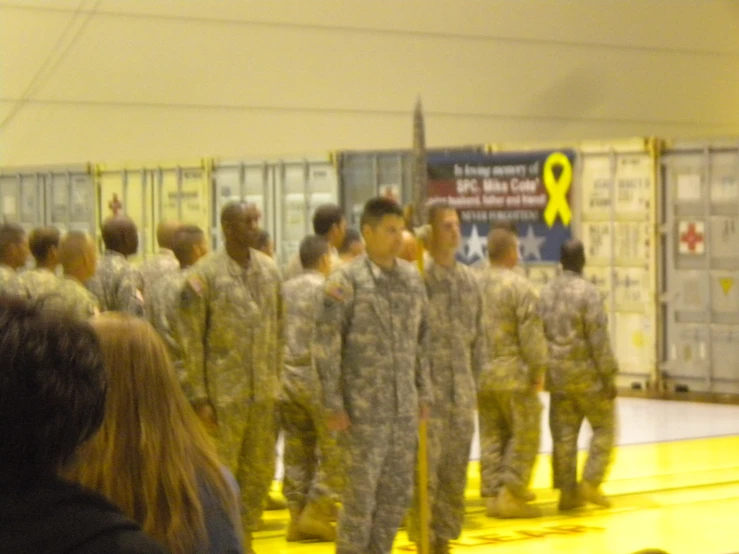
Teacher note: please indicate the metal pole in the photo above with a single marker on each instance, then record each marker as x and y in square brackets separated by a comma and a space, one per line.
[420, 191]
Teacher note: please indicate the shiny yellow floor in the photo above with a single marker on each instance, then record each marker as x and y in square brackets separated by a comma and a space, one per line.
[682, 497]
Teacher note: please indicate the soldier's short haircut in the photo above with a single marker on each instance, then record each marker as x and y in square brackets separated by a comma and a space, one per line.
[312, 249]
[185, 240]
[506, 225]
[262, 239]
[231, 211]
[325, 217]
[500, 242]
[377, 208]
[42, 240]
[52, 390]
[10, 234]
[351, 236]
[572, 255]
[436, 207]
[115, 230]
[72, 248]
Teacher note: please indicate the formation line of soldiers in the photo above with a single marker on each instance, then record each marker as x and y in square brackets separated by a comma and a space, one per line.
[349, 352]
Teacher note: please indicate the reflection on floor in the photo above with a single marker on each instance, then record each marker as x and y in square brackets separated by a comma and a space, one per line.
[681, 496]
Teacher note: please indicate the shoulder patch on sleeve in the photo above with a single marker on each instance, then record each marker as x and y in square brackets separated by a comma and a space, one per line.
[195, 284]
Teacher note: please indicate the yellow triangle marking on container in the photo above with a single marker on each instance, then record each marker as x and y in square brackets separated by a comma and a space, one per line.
[726, 284]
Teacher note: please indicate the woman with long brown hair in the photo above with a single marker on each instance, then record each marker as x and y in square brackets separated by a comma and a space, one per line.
[152, 456]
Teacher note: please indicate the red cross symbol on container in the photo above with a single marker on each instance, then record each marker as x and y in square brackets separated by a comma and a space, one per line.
[692, 238]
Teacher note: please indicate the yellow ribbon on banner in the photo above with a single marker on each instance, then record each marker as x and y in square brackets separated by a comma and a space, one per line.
[557, 188]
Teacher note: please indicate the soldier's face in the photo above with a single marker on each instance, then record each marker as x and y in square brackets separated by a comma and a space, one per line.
[91, 260]
[386, 238]
[20, 254]
[338, 232]
[200, 249]
[244, 228]
[446, 231]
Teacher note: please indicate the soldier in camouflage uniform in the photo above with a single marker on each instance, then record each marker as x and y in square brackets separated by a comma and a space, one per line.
[351, 247]
[508, 402]
[230, 319]
[116, 283]
[162, 302]
[329, 222]
[371, 353]
[457, 354]
[78, 257]
[581, 379]
[164, 262]
[44, 245]
[13, 256]
[481, 266]
[310, 454]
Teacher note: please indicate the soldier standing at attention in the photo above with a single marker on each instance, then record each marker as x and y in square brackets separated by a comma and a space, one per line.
[310, 455]
[162, 302]
[371, 353]
[508, 403]
[44, 245]
[582, 369]
[116, 283]
[457, 354]
[164, 261]
[329, 222]
[230, 319]
[13, 256]
[79, 259]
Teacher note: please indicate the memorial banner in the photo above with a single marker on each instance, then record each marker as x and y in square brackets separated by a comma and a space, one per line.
[533, 190]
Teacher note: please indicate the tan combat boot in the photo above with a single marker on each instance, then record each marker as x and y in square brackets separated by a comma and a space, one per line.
[315, 522]
[570, 499]
[511, 507]
[491, 506]
[293, 534]
[592, 493]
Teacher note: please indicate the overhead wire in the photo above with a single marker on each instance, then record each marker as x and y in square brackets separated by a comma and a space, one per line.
[57, 54]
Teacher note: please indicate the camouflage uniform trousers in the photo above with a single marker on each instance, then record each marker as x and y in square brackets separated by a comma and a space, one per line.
[246, 444]
[566, 414]
[449, 438]
[510, 427]
[310, 454]
[379, 460]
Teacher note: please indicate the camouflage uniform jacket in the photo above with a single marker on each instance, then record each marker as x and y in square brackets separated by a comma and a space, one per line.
[152, 270]
[38, 282]
[117, 285]
[516, 342]
[72, 299]
[9, 283]
[302, 296]
[162, 302]
[230, 329]
[295, 268]
[456, 333]
[371, 347]
[576, 328]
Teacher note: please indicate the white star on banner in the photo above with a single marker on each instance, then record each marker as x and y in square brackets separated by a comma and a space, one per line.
[475, 245]
[531, 245]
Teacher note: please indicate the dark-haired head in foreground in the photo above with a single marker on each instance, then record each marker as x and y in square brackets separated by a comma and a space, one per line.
[52, 390]
[52, 400]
